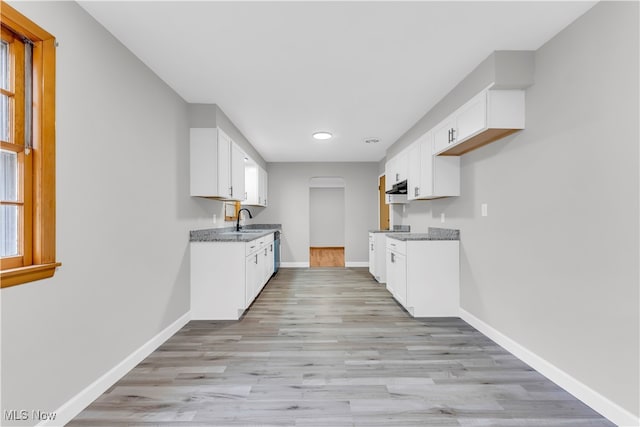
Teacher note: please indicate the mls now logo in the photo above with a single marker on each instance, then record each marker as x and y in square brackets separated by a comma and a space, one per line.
[23, 415]
[16, 415]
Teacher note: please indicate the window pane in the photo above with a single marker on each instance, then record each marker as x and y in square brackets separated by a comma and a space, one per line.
[4, 118]
[9, 224]
[4, 65]
[8, 176]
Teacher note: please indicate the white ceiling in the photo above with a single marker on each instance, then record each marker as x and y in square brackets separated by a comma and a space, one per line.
[283, 70]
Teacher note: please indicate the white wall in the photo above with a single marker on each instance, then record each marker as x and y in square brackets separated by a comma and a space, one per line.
[289, 205]
[554, 266]
[326, 217]
[123, 220]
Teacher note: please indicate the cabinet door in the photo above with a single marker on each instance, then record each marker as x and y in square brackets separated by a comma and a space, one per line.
[402, 166]
[271, 260]
[391, 270]
[471, 118]
[237, 173]
[265, 266]
[426, 166]
[251, 269]
[442, 134]
[224, 164]
[251, 183]
[380, 241]
[390, 174]
[414, 181]
[372, 255]
[263, 186]
[400, 276]
[204, 159]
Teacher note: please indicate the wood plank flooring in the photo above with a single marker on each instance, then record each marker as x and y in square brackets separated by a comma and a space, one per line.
[330, 347]
[326, 256]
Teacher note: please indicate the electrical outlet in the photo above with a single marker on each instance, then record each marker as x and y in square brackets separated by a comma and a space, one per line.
[442, 217]
[483, 209]
[215, 218]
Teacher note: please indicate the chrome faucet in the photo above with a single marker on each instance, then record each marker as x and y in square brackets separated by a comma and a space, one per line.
[238, 222]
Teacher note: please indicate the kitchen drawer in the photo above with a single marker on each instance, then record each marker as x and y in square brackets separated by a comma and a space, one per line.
[259, 243]
[396, 245]
[252, 247]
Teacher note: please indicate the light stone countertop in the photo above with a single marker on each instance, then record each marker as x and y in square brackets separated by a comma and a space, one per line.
[432, 234]
[228, 234]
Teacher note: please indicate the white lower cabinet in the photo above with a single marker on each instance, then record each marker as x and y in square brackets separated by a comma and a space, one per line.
[372, 255]
[377, 265]
[251, 278]
[227, 276]
[424, 276]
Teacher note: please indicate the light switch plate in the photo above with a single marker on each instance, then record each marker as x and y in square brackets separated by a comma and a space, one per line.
[442, 217]
[483, 209]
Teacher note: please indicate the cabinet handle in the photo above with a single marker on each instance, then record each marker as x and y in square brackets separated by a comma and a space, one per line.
[393, 244]
[393, 258]
[252, 247]
[271, 248]
[372, 246]
[256, 261]
[397, 177]
[231, 191]
[416, 192]
[453, 134]
[265, 251]
[449, 136]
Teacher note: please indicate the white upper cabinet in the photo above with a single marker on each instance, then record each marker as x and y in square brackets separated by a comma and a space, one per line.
[263, 186]
[397, 169]
[256, 184]
[224, 165]
[216, 165]
[442, 133]
[488, 116]
[430, 176]
[237, 173]
[389, 172]
[414, 181]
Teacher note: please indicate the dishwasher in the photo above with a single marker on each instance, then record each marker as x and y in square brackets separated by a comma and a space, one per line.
[276, 252]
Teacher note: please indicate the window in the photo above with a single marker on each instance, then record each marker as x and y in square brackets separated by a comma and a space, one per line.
[27, 151]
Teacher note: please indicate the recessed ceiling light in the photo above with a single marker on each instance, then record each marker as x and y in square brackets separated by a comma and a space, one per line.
[322, 135]
[372, 140]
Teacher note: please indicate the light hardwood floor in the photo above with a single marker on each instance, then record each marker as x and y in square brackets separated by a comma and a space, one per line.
[326, 256]
[330, 347]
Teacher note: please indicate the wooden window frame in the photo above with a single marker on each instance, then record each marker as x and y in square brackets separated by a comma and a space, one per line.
[39, 247]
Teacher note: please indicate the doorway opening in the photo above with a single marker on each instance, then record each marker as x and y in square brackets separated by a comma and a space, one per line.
[326, 222]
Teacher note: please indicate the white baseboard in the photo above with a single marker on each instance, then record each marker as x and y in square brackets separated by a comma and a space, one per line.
[306, 264]
[590, 397]
[356, 264]
[294, 264]
[76, 404]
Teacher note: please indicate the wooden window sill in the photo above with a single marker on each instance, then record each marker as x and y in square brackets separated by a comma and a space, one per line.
[18, 276]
